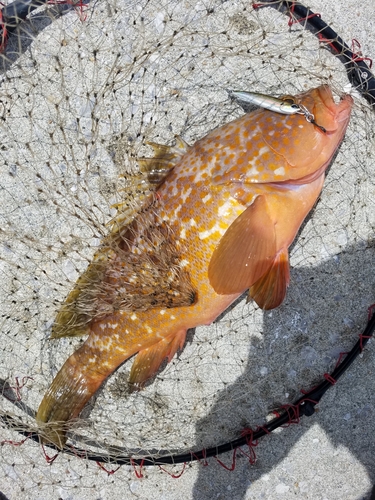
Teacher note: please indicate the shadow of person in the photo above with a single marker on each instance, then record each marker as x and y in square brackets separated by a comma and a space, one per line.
[323, 314]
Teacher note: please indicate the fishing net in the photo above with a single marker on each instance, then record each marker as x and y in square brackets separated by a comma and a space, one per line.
[82, 88]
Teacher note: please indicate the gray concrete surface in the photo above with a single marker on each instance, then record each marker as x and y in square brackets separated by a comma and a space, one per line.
[69, 90]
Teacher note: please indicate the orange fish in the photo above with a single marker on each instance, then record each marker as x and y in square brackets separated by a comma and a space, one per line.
[220, 221]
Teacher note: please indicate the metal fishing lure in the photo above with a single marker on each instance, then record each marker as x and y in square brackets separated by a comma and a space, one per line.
[285, 105]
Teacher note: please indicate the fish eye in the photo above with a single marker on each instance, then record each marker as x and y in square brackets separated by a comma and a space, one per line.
[288, 99]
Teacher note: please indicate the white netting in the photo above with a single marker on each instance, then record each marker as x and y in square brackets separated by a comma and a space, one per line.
[77, 101]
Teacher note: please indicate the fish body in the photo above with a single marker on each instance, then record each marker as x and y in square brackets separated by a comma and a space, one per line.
[221, 223]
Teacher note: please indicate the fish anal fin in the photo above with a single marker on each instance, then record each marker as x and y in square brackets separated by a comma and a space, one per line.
[148, 361]
[245, 252]
[270, 290]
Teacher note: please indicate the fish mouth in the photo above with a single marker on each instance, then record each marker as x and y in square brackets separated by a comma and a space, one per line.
[340, 110]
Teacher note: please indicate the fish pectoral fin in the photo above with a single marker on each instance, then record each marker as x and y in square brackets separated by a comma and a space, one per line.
[270, 290]
[148, 361]
[245, 252]
[164, 160]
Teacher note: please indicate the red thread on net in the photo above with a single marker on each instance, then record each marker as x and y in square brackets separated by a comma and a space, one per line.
[77, 453]
[109, 472]
[329, 378]
[361, 337]
[357, 53]
[293, 414]
[248, 434]
[14, 443]
[307, 391]
[309, 400]
[175, 476]
[370, 311]
[18, 385]
[79, 6]
[322, 39]
[295, 20]
[233, 466]
[4, 31]
[49, 459]
[341, 355]
[204, 462]
[264, 429]
[134, 465]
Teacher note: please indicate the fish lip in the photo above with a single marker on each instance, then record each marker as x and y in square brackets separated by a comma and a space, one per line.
[341, 109]
[344, 107]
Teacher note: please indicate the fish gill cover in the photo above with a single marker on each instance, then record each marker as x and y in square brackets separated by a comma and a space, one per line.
[81, 92]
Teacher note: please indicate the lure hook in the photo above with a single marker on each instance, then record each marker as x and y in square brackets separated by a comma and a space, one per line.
[310, 117]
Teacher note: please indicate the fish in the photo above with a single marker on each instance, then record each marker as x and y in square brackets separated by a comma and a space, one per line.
[216, 220]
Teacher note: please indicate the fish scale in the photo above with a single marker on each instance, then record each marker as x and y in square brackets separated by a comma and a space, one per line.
[225, 213]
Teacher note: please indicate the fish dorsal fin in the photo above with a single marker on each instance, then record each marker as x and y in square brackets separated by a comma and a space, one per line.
[164, 160]
[270, 290]
[245, 252]
[139, 189]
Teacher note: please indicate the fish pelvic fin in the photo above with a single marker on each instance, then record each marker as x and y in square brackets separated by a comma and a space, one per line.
[245, 252]
[270, 290]
[148, 361]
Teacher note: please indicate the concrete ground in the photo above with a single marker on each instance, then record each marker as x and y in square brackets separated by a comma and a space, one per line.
[76, 101]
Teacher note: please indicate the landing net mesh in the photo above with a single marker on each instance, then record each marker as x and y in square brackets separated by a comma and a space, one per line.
[79, 96]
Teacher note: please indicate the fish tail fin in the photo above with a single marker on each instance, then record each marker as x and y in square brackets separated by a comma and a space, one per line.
[70, 390]
[148, 361]
[270, 290]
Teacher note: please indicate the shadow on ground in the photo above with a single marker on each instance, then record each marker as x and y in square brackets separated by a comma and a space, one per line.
[325, 310]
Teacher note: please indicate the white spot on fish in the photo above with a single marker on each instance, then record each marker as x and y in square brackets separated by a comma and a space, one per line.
[279, 171]
[224, 209]
[264, 149]
[206, 234]
[185, 194]
[193, 223]
[271, 133]
[148, 329]
[173, 317]
[184, 263]
[113, 325]
[300, 126]
[133, 317]
[206, 198]
[162, 312]
[183, 234]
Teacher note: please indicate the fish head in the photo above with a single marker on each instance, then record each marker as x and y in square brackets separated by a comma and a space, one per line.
[312, 144]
